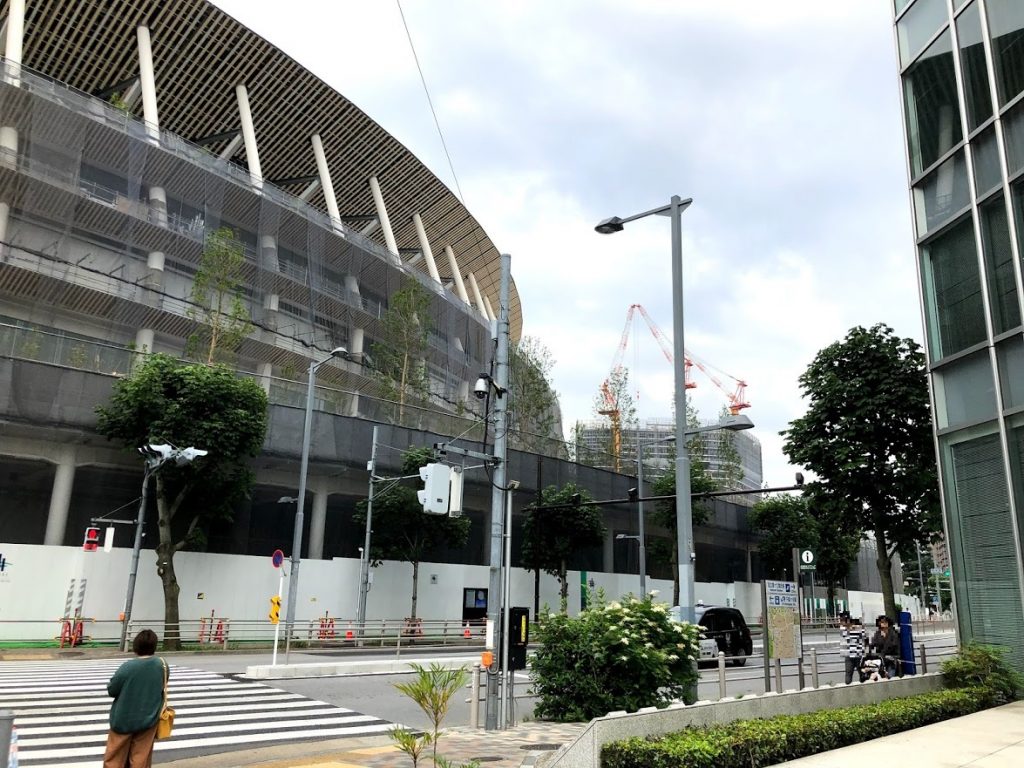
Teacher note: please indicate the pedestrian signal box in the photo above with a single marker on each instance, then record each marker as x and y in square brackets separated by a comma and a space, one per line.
[518, 637]
[92, 539]
[275, 609]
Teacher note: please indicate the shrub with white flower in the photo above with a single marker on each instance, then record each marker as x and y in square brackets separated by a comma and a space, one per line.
[617, 656]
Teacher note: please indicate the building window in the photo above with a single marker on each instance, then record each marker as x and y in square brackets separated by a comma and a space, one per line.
[1013, 134]
[1002, 283]
[1010, 356]
[987, 173]
[984, 550]
[953, 304]
[972, 59]
[1006, 26]
[964, 391]
[943, 193]
[918, 26]
[933, 113]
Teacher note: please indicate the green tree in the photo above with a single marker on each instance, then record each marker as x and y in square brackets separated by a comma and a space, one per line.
[783, 522]
[402, 530]
[217, 300]
[838, 545]
[552, 537]
[533, 405]
[166, 401]
[867, 435]
[399, 356]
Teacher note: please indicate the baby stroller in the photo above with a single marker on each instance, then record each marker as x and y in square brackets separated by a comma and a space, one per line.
[872, 668]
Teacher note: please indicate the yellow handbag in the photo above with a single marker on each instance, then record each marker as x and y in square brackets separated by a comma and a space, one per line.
[165, 724]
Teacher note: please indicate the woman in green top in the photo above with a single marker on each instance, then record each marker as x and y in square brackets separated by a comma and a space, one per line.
[138, 690]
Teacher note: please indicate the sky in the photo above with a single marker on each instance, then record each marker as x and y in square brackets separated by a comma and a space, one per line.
[781, 120]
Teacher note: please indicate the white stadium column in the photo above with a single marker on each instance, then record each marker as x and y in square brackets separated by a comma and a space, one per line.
[428, 255]
[15, 40]
[382, 217]
[144, 339]
[317, 525]
[325, 180]
[232, 147]
[147, 79]
[265, 372]
[453, 266]
[252, 152]
[355, 342]
[269, 263]
[490, 312]
[477, 298]
[60, 497]
[352, 284]
[5, 215]
[158, 206]
[309, 191]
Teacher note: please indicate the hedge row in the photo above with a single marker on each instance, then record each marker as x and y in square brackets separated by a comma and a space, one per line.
[754, 743]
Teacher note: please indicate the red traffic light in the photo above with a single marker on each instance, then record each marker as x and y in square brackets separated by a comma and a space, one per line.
[92, 539]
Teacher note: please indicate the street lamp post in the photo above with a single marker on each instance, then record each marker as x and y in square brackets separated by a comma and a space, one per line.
[293, 584]
[730, 423]
[684, 512]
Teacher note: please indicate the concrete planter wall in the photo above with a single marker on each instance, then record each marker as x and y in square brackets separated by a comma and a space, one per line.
[585, 751]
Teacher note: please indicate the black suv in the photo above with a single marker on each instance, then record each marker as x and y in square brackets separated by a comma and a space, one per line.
[728, 628]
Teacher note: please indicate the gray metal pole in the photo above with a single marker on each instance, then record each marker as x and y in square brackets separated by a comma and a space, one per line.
[920, 583]
[293, 582]
[364, 566]
[494, 596]
[640, 516]
[684, 514]
[129, 597]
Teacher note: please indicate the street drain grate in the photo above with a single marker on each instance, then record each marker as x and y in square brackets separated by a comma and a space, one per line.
[487, 759]
[540, 746]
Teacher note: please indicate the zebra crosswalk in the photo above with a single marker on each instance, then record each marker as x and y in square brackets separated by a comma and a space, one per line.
[61, 710]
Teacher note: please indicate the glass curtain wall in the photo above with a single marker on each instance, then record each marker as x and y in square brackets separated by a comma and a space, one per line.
[962, 74]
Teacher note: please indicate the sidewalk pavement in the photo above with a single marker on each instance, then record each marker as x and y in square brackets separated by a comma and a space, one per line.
[522, 746]
[993, 738]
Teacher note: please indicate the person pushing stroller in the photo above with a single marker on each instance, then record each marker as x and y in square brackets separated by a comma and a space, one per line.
[885, 648]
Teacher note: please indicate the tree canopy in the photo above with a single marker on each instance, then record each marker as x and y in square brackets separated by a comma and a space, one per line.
[867, 435]
[533, 404]
[189, 405]
[398, 356]
[217, 299]
[401, 529]
[552, 536]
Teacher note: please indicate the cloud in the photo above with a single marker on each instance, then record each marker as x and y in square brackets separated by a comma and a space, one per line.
[781, 121]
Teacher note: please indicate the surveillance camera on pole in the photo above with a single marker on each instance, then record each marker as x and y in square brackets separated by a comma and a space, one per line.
[436, 488]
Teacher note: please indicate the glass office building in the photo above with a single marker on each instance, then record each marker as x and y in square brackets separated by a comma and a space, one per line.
[962, 81]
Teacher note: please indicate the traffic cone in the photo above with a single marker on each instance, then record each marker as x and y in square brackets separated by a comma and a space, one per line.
[466, 632]
[349, 634]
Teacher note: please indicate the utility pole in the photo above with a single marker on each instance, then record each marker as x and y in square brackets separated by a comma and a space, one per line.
[494, 592]
[364, 566]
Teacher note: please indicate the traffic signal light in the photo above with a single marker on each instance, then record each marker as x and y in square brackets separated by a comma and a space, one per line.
[455, 493]
[92, 539]
[436, 488]
[275, 609]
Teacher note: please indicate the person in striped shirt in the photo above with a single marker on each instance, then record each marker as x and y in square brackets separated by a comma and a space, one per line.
[851, 644]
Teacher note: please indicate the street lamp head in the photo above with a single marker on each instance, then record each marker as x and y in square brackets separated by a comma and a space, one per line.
[737, 422]
[339, 352]
[609, 226]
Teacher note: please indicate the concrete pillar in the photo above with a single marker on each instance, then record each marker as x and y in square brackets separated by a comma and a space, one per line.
[489, 311]
[309, 191]
[252, 152]
[355, 342]
[370, 228]
[463, 391]
[155, 276]
[352, 284]
[269, 263]
[265, 372]
[144, 338]
[232, 147]
[382, 217]
[428, 255]
[147, 79]
[9, 146]
[453, 266]
[325, 180]
[60, 497]
[158, 206]
[608, 561]
[15, 40]
[317, 525]
[477, 298]
[5, 217]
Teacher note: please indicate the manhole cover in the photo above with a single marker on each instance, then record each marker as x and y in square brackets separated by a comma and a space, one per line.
[540, 746]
